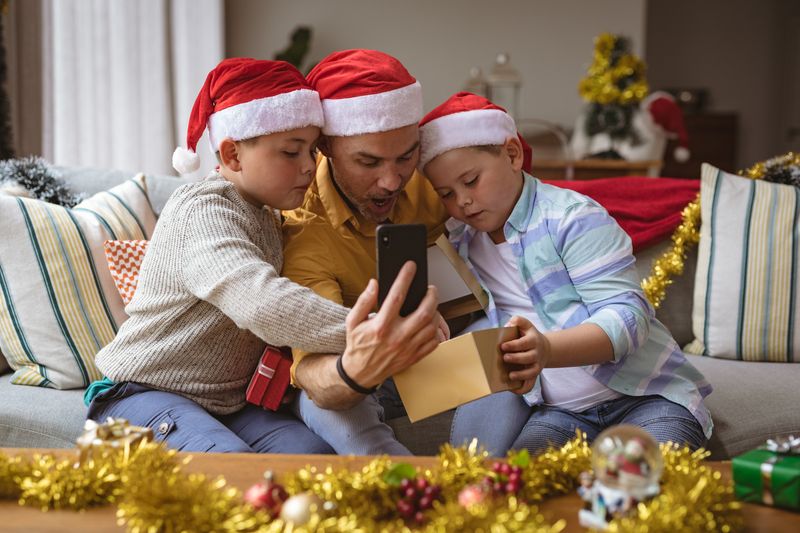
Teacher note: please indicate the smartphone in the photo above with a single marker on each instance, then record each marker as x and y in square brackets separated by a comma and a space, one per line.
[396, 244]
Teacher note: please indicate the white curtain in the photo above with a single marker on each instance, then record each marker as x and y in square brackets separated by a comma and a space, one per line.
[120, 78]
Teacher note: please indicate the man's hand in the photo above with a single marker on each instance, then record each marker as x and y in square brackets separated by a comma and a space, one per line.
[379, 347]
[530, 350]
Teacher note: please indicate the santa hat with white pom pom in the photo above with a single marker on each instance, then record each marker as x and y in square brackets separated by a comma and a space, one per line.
[243, 98]
[668, 117]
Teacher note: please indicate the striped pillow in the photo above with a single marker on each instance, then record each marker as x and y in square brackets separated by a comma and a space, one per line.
[746, 299]
[58, 303]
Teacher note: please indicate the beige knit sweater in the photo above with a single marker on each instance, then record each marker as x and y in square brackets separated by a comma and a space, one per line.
[210, 297]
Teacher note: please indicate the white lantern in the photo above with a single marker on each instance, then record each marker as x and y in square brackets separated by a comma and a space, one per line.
[504, 84]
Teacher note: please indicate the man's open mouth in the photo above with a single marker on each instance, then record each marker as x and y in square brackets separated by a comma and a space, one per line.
[383, 202]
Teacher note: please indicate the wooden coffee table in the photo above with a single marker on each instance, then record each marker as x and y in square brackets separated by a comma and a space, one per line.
[242, 470]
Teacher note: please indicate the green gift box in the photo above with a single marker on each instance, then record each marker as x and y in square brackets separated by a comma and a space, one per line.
[770, 478]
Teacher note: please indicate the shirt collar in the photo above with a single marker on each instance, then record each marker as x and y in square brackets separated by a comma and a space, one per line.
[523, 210]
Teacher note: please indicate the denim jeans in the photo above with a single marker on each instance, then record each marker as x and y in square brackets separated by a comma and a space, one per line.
[360, 430]
[186, 426]
[503, 421]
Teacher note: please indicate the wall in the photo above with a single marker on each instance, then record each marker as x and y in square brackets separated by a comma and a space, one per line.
[550, 41]
[22, 36]
[737, 49]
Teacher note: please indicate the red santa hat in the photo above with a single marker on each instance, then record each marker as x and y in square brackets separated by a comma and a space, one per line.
[667, 116]
[466, 119]
[243, 98]
[365, 91]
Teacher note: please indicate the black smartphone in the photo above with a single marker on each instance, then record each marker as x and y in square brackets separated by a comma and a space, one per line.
[396, 244]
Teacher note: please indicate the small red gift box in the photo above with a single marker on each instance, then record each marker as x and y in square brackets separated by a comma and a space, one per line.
[271, 378]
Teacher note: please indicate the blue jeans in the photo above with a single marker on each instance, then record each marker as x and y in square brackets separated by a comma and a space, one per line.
[185, 426]
[503, 422]
[360, 430]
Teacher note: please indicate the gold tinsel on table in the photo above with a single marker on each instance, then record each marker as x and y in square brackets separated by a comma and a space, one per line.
[153, 493]
[781, 169]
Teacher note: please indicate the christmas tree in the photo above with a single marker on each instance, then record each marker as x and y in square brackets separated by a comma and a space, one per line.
[614, 85]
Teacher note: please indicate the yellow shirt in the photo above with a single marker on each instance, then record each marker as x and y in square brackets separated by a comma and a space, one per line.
[331, 249]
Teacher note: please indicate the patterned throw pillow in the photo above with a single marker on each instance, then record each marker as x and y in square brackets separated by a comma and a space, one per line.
[58, 302]
[124, 261]
[746, 296]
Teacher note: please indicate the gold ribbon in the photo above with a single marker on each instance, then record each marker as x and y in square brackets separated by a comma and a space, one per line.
[113, 433]
[766, 480]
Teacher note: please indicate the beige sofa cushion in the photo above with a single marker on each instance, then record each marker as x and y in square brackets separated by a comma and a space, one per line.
[751, 402]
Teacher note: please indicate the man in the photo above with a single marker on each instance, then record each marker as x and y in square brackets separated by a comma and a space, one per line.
[367, 177]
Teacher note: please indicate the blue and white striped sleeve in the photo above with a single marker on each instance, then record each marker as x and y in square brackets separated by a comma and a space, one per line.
[598, 256]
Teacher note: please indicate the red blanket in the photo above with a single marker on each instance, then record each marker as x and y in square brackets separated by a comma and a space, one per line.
[648, 209]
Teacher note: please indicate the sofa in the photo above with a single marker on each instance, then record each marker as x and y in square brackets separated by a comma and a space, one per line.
[752, 401]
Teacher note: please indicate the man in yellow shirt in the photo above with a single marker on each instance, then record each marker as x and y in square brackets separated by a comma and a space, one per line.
[366, 177]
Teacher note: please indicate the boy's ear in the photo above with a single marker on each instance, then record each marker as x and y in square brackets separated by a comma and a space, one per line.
[229, 154]
[513, 148]
[324, 145]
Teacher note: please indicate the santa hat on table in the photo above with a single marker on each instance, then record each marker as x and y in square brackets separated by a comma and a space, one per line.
[365, 91]
[668, 117]
[243, 98]
[463, 120]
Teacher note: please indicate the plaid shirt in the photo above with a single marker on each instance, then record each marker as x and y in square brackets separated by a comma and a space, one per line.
[578, 267]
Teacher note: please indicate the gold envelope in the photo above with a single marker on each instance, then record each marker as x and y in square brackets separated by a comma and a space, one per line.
[456, 372]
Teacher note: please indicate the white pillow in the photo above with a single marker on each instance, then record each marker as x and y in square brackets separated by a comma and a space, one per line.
[58, 303]
[746, 295]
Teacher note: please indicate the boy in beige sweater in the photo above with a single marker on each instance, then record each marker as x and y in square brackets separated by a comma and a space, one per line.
[210, 295]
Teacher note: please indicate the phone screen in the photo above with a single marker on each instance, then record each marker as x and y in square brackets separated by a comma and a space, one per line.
[396, 244]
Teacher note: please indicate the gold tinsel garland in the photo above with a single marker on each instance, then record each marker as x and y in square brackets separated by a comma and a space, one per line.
[612, 80]
[153, 493]
[687, 234]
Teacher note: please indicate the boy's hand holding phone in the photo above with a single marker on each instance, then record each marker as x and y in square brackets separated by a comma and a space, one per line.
[381, 346]
[530, 350]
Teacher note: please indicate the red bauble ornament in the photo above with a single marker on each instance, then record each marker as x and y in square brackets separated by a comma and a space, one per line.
[472, 495]
[267, 495]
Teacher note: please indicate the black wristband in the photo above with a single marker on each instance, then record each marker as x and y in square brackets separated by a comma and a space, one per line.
[350, 383]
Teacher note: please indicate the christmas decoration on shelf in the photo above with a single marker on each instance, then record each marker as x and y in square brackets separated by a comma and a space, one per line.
[621, 120]
[783, 169]
[153, 493]
[32, 177]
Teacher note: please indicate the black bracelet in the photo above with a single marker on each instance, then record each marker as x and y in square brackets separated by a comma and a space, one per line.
[350, 383]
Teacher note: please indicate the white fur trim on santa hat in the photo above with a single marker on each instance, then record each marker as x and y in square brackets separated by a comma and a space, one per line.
[282, 112]
[467, 128]
[373, 113]
[184, 160]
